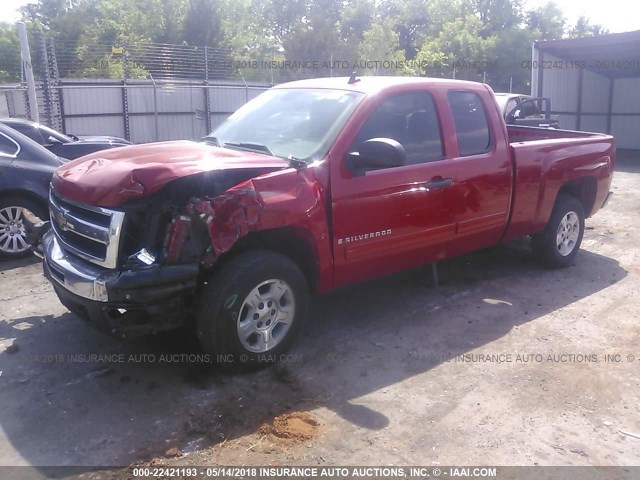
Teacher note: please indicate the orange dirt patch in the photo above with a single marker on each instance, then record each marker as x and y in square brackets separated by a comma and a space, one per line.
[295, 427]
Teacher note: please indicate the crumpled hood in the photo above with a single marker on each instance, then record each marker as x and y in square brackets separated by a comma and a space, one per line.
[111, 177]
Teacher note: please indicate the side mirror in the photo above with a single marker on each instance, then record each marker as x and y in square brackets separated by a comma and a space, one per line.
[53, 140]
[377, 153]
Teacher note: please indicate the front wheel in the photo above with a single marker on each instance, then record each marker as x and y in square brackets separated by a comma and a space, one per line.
[558, 244]
[13, 232]
[252, 309]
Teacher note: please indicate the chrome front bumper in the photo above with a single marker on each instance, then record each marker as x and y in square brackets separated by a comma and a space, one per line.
[106, 288]
[80, 278]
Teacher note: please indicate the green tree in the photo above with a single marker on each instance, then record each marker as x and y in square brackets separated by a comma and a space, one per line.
[280, 18]
[357, 17]
[202, 23]
[410, 19]
[380, 46]
[10, 65]
[546, 22]
[584, 28]
[459, 50]
[495, 15]
[444, 34]
[512, 54]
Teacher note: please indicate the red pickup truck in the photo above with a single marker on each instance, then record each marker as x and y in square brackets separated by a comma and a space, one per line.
[313, 185]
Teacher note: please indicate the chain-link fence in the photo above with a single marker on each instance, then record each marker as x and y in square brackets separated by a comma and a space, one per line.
[162, 62]
[143, 92]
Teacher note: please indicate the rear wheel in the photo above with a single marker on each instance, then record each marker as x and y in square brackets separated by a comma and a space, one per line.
[558, 244]
[252, 309]
[13, 232]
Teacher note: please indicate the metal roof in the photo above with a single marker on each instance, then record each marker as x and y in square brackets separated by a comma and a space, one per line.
[613, 55]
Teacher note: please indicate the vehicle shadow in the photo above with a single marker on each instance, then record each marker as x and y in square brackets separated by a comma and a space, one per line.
[63, 406]
[6, 265]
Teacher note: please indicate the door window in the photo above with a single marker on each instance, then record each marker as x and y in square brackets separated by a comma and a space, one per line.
[8, 147]
[412, 120]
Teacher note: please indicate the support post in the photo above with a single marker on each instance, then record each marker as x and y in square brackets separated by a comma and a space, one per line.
[610, 104]
[45, 77]
[207, 94]
[59, 123]
[579, 99]
[125, 93]
[155, 107]
[25, 56]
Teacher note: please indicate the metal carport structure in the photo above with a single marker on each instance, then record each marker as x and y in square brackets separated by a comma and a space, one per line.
[593, 83]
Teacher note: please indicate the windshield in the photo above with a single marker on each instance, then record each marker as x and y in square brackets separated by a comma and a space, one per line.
[47, 132]
[292, 123]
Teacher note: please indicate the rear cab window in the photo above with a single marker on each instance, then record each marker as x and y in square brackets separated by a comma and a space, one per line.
[470, 118]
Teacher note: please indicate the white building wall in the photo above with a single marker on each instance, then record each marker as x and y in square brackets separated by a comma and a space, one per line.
[595, 93]
[561, 86]
[593, 123]
[626, 101]
[626, 95]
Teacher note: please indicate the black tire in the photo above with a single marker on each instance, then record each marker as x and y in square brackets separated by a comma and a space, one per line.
[8, 204]
[226, 305]
[558, 244]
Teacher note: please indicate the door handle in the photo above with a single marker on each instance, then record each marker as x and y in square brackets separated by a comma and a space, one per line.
[439, 182]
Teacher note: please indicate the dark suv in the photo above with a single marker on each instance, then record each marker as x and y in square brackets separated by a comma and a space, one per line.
[65, 146]
[25, 174]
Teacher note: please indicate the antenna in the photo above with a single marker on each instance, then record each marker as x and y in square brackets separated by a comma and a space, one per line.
[353, 79]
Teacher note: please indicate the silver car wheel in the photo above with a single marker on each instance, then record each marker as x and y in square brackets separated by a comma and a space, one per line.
[13, 235]
[266, 316]
[568, 233]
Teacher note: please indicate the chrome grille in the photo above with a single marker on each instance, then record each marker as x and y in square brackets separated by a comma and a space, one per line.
[92, 233]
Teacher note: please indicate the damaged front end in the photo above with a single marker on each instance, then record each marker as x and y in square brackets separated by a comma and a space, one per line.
[166, 244]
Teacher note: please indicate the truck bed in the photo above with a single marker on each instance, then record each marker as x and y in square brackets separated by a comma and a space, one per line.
[544, 160]
[528, 134]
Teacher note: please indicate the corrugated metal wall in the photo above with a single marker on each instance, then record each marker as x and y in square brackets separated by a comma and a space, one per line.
[13, 102]
[149, 112]
[595, 102]
[4, 106]
[588, 108]
[92, 109]
[625, 110]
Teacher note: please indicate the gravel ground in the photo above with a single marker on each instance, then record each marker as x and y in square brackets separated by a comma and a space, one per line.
[505, 363]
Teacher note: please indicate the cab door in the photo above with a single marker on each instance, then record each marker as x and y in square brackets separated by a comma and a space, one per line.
[389, 219]
[483, 183]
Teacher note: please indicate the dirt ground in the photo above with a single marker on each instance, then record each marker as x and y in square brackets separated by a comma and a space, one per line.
[505, 363]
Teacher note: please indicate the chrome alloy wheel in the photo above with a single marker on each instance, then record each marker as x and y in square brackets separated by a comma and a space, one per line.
[568, 233]
[13, 235]
[266, 315]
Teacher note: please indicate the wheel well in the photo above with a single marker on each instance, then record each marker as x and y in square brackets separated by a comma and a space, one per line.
[584, 189]
[290, 242]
